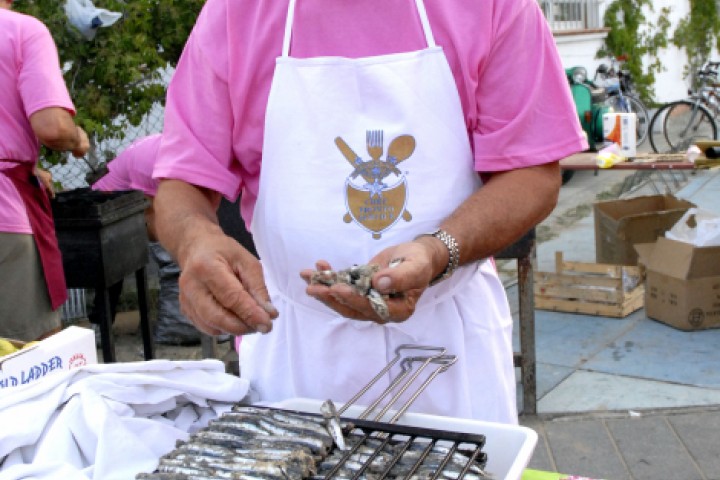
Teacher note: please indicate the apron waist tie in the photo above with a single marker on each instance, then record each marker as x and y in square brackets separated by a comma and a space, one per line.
[39, 211]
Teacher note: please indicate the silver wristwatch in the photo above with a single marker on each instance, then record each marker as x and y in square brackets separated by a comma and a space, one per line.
[453, 254]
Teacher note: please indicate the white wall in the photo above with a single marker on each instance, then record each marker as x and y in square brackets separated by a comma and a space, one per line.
[579, 50]
[670, 83]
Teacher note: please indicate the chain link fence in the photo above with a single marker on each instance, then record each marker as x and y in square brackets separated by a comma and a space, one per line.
[74, 172]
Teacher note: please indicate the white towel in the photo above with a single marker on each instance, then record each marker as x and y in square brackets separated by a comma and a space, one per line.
[109, 421]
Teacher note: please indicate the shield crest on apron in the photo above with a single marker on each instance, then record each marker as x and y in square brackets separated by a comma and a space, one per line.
[371, 200]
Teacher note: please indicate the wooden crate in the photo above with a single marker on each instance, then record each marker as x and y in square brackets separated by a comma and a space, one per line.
[590, 288]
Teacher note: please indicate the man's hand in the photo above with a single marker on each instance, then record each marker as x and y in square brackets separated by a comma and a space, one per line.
[405, 272]
[222, 288]
[46, 180]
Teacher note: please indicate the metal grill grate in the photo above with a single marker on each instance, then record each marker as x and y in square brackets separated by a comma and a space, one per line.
[380, 450]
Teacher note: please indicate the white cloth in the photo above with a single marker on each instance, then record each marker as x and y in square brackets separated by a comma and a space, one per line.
[109, 421]
[83, 15]
[319, 199]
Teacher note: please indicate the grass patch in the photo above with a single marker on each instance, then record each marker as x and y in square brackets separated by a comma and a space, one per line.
[543, 233]
[612, 194]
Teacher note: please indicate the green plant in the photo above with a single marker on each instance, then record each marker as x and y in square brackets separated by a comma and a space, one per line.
[633, 36]
[116, 78]
[698, 33]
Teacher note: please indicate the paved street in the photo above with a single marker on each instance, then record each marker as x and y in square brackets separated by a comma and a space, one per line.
[627, 398]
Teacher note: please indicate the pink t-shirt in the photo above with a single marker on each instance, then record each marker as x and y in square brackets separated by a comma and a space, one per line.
[132, 169]
[512, 86]
[30, 80]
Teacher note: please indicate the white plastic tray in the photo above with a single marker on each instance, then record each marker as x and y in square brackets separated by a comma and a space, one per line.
[508, 447]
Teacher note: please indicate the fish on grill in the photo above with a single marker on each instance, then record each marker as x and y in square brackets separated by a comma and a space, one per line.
[248, 443]
[252, 443]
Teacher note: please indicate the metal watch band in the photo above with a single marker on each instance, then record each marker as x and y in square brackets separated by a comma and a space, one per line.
[453, 254]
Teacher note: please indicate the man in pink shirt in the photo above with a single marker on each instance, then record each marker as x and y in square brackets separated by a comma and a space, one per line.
[36, 109]
[418, 136]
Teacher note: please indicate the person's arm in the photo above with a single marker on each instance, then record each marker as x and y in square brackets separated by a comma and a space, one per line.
[56, 129]
[502, 211]
[45, 95]
[222, 288]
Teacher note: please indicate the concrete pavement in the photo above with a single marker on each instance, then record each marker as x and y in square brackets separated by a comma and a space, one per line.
[628, 398]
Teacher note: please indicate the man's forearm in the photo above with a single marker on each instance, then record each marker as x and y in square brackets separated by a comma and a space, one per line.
[503, 210]
[182, 214]
[56, 129]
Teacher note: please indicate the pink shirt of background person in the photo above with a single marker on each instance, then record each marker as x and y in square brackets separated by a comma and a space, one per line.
[34, 82]
[132, 169]
[502, 54]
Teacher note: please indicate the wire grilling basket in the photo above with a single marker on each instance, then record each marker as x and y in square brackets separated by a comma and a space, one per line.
[272, 443]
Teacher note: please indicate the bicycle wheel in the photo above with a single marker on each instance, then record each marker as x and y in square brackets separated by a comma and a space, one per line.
[687, 122]
[642, 118]
[677, 117]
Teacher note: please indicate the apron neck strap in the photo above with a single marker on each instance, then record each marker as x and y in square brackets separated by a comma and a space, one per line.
[291, 15]
[288, 28]
[425, 23]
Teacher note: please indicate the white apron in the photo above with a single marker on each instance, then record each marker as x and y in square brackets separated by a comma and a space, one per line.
[326, 193]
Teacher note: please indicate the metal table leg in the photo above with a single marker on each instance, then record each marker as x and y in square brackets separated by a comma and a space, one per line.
[209, 346]
[102, 299]
[523, 251]
[528, 366]
[146, 331]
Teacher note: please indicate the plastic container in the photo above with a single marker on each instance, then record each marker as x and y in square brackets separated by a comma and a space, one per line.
[509, 447]
[620, 128]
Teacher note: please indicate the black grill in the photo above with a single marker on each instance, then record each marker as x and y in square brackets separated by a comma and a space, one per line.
[103, 239]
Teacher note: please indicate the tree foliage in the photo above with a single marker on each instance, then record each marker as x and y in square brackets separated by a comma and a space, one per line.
[634, 37]
[116, 78]
[698, 33]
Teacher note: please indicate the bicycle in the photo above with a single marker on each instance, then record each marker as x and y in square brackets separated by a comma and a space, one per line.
[622, 96]
[678, 125]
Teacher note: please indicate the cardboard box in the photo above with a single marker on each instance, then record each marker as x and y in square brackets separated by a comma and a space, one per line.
[70, 348]
[682, 283]
[620, 224]
[620, 128]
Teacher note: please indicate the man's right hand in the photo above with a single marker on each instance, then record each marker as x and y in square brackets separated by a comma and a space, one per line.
[222, 288]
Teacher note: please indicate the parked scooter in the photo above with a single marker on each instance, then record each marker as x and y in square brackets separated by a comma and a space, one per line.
[590, 103]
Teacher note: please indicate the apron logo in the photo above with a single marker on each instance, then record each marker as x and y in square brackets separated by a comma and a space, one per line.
[376, 190]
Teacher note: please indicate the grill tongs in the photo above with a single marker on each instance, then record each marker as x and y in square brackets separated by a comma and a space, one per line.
[412, 364]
